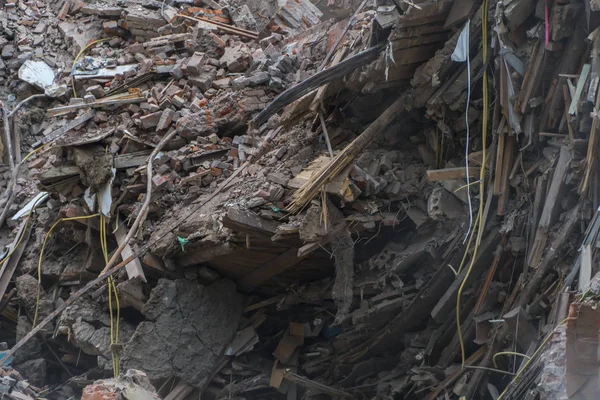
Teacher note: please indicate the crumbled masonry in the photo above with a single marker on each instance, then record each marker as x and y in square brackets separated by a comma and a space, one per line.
[299, 199]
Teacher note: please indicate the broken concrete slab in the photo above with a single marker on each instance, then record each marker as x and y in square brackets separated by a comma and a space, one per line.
[188, 326]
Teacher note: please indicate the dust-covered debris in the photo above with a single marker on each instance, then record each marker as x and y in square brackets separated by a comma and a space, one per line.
[317, 198]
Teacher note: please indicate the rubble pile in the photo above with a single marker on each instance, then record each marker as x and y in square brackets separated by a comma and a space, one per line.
[299, 199]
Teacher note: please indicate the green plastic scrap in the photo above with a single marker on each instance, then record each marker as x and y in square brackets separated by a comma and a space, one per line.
[182, 242]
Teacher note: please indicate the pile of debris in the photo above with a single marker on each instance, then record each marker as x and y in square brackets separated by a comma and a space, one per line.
[295, 199]
[13, 386]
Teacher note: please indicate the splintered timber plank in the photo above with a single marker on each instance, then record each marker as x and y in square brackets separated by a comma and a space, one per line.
[248, 222]
[508, 160]
[553, 251]
[408, 32]
[579, 90]
[10, 265]
[533, 77]
[570, 64]
[435, 175]
[134, 267]
[551, 208]
[499, 162]
[415, 54]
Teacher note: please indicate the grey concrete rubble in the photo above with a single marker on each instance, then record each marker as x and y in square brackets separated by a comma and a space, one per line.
[299, 199]
[188, 325]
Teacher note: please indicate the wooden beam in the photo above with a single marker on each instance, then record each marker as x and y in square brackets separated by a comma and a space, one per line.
[551, 208]
[444, 174]
[64, 129]
[53, 112]
[248, 222]
[134, 267]
[274, 267]
[508, 160]
[9, 266]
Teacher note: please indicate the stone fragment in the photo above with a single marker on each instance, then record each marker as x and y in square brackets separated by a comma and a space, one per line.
[278, 178]
[186, 329]
[195, 63]
[96, 90]
[260, 78]
[165, 120]
[223, 83]
[236, 58]
[8, 51]
[443, 204]
[150, 120]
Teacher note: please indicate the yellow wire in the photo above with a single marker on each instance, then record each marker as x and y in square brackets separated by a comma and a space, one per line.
[508, 353]
[77, 58]
[462, 263]
[466, 186]
[112, 288]
[530, 360]
[484, 9]
[39, 268]
[32, 152]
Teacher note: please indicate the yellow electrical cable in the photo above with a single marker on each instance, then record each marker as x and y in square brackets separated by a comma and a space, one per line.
[77, 58]
[462, 263]
[32, 152]
[530, 360]
[466, 186]
[484, 9]
[39, 267]
[114, 327]
[508, 353]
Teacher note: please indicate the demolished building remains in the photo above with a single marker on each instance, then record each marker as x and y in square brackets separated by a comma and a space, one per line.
[386, 199]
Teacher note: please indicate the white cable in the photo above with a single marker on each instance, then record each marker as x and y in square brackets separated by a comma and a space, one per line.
[467, 145]
[461, 54]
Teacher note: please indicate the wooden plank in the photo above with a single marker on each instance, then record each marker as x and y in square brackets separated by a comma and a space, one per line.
[399, 33]
[444, 174]
[551, 209]
[249, 222]
[53, 112]
[460, 11]
[195, 256]
[134, 267]
[532, 79]
[551, 206]
[274, 267]
[61, 131]
[585, 270]
[130, 160]
[499, 162]
[579, 90]
[416, 54]
[508, 161]
[9, 266]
